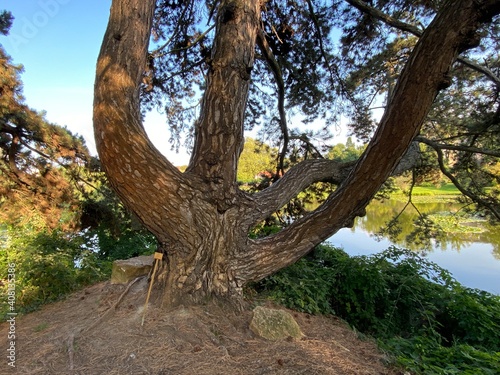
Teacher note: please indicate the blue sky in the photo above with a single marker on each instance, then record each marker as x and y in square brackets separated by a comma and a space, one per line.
[57, 42]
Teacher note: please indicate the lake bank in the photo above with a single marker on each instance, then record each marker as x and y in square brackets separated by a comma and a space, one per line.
[472, 256]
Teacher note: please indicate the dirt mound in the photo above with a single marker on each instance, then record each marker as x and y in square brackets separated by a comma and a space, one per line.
[98, 331]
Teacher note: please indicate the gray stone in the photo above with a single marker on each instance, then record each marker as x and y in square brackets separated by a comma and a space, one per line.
[274, 324]
[124, 271]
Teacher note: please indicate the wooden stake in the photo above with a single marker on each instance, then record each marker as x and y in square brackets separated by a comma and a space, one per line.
[157, 257]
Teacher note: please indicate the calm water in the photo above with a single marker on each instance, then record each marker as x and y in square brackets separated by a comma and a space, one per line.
[473, 259]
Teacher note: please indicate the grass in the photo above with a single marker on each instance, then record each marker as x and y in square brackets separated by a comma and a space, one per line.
[447, 189]
[430, 194]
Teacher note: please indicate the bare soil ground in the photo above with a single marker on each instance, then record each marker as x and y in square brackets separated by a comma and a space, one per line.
[98, 331]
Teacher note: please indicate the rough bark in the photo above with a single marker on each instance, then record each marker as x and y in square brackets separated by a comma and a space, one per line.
[219, 130]
[201, 218]
[453, 30]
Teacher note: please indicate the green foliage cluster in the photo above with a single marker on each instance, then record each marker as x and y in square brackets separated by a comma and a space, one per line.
[428, 321]
[346, 152]
[110, 229]
[48, 265]
[51, 262]
[256, 158]
[41, 163]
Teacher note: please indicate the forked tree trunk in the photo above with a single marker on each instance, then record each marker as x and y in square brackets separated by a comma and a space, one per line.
[200, 218]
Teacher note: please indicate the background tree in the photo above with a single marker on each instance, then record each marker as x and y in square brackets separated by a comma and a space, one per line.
[40, 163]
[256, 159]
[257, 62]
[6, 19]
[345, 152]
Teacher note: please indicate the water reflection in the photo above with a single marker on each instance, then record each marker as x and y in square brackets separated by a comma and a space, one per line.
[458, 237]
[472, 258]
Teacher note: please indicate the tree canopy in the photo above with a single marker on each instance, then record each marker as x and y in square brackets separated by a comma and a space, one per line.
[320, 62]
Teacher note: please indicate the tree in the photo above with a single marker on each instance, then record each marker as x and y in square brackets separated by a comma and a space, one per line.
[5, 22]
[201, 218]
[256, 158]
[345, 152]
[40, 162]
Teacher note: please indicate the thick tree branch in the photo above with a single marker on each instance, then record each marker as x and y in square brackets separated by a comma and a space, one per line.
[444, 146]
[423, 76]
[219, 130]
[403, 26]
[310, 171]
[132, 163]
[295, 180]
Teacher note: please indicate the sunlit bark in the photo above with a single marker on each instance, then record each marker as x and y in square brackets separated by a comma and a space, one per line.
[201, 218]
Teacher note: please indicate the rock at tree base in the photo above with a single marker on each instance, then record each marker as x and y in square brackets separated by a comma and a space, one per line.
[274, 324]
[127, 270]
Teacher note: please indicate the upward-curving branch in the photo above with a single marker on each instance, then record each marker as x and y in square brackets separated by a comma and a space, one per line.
[448, 34]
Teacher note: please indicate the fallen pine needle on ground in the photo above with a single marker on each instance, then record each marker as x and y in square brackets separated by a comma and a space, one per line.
[98, 331]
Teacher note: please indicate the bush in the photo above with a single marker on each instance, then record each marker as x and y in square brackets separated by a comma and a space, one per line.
[424, 354]
[412, 306]
[48, 265]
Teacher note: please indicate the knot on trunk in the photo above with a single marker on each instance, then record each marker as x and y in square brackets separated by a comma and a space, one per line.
[211, 159]
[245, 72]
[229, 12]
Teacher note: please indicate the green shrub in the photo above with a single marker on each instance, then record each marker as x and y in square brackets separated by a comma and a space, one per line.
[424, 354]
[48, 265]
[303, 287]
[413, 307]
[129, 243]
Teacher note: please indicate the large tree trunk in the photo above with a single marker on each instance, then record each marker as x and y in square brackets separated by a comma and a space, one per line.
[200, 218]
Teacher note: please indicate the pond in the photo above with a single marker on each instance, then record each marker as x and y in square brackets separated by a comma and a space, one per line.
[470, 253]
